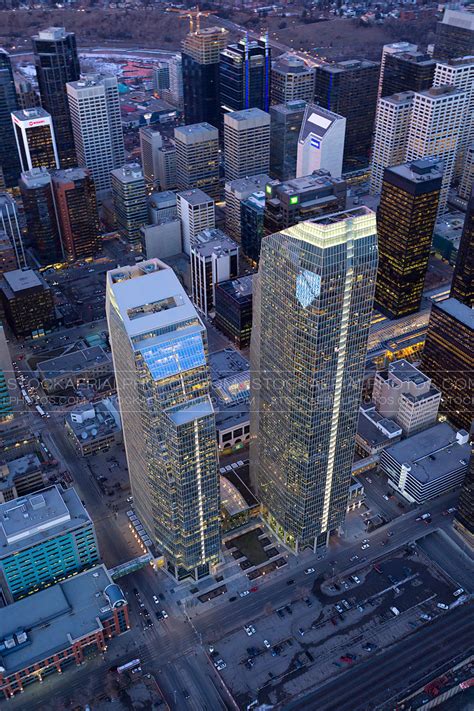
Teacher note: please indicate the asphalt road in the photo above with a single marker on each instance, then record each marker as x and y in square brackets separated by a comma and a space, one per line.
[373, 683]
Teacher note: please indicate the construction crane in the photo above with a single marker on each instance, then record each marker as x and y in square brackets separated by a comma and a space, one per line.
[192, 15]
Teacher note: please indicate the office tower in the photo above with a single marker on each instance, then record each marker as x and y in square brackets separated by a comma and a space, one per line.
[236, 191]
[196, 210]
[285, 126]
[151, 141]
[197, 158]
[460, 73]
[74, 196]
[9, 392]
[435, 129]
[246, 143]
[9, 161]
[36, 189]
[200, 66]
[292, 79]
[302, 199]
[391, 136]
[244, 75]
[129, 195]
[467, 176]
[448, 359]
[405, 223]
[234, 309]
[454, 35]
[214, 258]
[350, 89]
[27, 303]
[407, 71]
[161, 239]
[175, 93]
[167, 165]
[159, 347]
[405, 394]
[162, 206]
[10, 224]
[25, 93]
[94, 107]
[312, 312]
[67, 544]
[56, 64]
[462, 287]
[8, 260]
[161, 77]
[393, 48]
[252, 219]
[35, 141]
[321, 142]
[464, 516]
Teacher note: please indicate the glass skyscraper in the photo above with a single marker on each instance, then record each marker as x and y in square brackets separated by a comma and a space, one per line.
[312, 310]
[159, 347]
[9, 161]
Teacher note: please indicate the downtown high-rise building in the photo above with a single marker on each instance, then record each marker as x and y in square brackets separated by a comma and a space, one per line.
[292, 79]
[312, 311]
[244, 75]
[405, 221]
[9, 160]
[159, 348]
[460, 73]
[76, 207]
[197, 158]
[200, 66]
[392, 48]
[175, 92]
[462, 286]
[285, 126]
[466, 182]
[151, 141]
[196, 212]
[39, 206]
[246, 143]
[391, 136]
[321, 142]
[435, 128]
[454, 35]
[35, 141]
[407, 71]
[464, 517]
[94, 106]
[57, 63]
[10, 224]
[349, 89]
[130, 202]
[236, 191]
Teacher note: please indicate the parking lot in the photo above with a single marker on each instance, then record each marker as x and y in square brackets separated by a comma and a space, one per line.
[328, 625]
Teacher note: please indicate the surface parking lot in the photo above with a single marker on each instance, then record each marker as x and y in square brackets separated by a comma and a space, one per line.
[329, 625]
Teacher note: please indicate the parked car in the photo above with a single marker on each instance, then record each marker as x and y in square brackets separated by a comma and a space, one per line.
[266, 644]
[308, 571]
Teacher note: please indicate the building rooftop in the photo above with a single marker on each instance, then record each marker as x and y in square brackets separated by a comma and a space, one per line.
[34, 114]
[459, 311]
[74, 362]
[251, 184]
[433, 453]
[161, 201]
[213, 241]
[419, 171]
[52, 33]
[20, 280]
[36, 177]
[68, 175]
[240, 289]
[415, 57]
[233, 415]
[50, 620]
[376, 429]
[349, 65]
[317, 121]
[130, 173]
[406, 372]
[319, 180]
[457, 61]
[256, 200]
[149, 297]
[290, 107]
[291, 64]
[33, 519]
[196, 132]
[230, 375]
[459, 18]
[196, 196]
[254, 117]
[227, 362]
[94, 420]
[403, 97]
[23, 465]
[440, 92]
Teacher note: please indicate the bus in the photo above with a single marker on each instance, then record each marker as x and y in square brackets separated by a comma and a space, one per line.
[40, 410]
[129, 665]
[26, 397]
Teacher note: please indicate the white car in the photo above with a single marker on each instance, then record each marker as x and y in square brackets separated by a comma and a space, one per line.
[266, 643]
[442, 606]
[221, 666]
[369, 480]
[155, 600]
[250, 629]
[356, 579]
[459, 592]
[165, 614]
[452, 510]
[365, 546]
[308, 571]
[386, 497]
[354, 557]
[244, 593]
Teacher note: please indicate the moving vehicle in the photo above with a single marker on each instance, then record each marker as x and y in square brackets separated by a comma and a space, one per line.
[244, 593]
[128, 665]
[395, 611]
[458, 592]
[308, 571]
[40, 410]
[442, 606]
